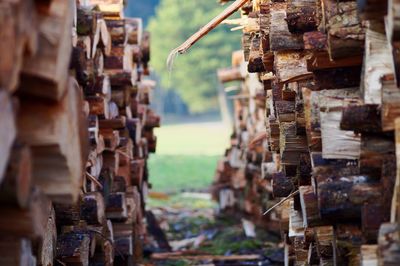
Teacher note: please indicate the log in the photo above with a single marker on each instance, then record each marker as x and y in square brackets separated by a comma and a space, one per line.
[388, 180]
[255, 58]
[16, 251]
[86, 22]
[73, 248]
[374, 148]
[309, 206]
[280, 37]
[395, 209]
[7, 135]
[323, 168]
[123, 234]
[98, 106]
[17, 184]
[388, 244]
[134, 30]
[361, 118]
[117, 31]
[325, 242]
[320, 60]
[301, 16]
[26, 223]
[393, 21]
[99, 85]
[145, 49]
[117, 59]
[111, 139]
[337, 78]
[47, 246]
[296, 228]
[369, 255]
[101, 38]
[19, 35]
[312, 257]
[119, 184]
[56, 145]
[229, 74]
[289, 65]
[282, 185]
[45, 74]
[92, 208]
[315, 40]
[372, 9]
[341, 199]
[393, 33]
[291, 146]
[285, 112]
[336, 143]
[67, 214]
[133, 205]
[120, 78]
[301, 253]
[390, 103]
[121, 98]
[377, 63]
[348, 240]
[345, 34]
[304, 169]
[116, 208]
[372, 216]
[116, 123]
[312, 119]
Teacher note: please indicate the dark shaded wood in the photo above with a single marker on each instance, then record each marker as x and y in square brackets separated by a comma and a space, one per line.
[341, 199]
[361, 118]
[16, 186]
[282, 185]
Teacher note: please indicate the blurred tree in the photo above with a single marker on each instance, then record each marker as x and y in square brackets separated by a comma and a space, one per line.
[141, 8]
[194, 74]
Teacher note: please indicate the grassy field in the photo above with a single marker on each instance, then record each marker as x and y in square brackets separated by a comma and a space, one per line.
[187, 156]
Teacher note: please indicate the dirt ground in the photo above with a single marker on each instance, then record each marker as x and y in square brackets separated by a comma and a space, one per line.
[198, 234]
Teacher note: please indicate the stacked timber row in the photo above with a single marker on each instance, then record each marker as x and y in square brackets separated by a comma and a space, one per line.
[330, 76]
[239, 182]
[76, 133]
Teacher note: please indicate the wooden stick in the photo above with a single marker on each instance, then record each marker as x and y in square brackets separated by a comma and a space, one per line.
[124, 154]
[204, 30]
[281, 202]
[178, 256]
[94, 179]
[259, 137]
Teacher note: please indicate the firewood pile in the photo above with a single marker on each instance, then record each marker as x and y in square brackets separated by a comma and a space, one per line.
[76, 132]
[316, 128]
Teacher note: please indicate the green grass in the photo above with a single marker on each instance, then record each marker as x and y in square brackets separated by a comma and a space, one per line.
[180, 202]
[174, 173]
[187, 156]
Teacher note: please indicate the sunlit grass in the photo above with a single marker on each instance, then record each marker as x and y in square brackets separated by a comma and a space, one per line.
[192, 139]
[187, 156]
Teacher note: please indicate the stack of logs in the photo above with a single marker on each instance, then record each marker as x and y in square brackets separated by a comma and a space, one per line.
[323, 77]
[76, 132]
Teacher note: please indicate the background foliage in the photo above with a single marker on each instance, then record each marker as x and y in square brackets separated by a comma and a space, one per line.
[141, 8]
[194, 74]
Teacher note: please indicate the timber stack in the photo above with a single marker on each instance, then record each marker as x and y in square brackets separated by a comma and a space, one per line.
[322, 77]
[76, 132]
